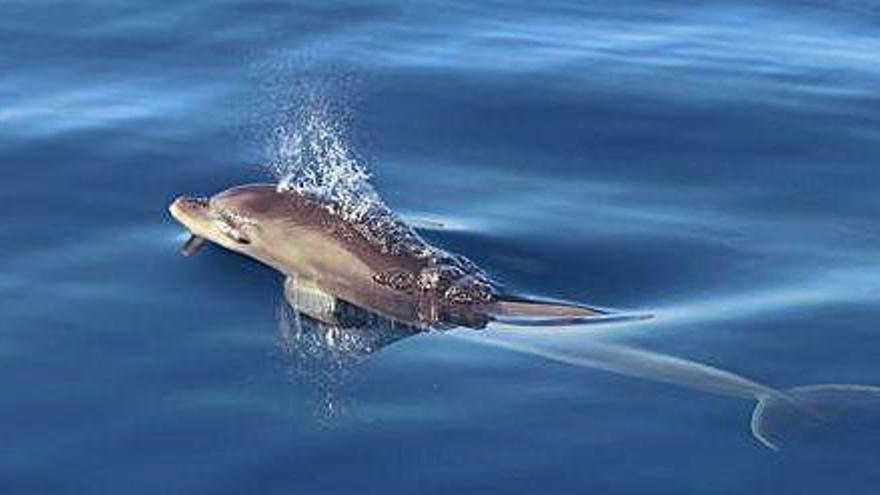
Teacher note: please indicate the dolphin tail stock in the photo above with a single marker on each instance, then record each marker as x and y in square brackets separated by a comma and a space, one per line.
[537, 312]
[779, 417]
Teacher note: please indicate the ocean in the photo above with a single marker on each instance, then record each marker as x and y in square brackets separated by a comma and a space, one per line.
[713, 164]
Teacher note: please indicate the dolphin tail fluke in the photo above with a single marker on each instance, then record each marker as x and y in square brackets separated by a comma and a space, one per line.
[784, 416]
[528, 311]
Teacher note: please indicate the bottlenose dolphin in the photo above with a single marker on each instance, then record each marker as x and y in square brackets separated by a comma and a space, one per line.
[374, 261]
[371, 281]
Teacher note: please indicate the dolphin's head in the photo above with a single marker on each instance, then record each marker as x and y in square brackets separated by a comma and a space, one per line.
[231, 218]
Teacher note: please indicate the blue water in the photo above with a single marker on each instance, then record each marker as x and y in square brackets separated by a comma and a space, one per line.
[713, 163]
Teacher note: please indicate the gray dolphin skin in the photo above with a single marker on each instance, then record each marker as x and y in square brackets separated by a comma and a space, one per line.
[377, 262]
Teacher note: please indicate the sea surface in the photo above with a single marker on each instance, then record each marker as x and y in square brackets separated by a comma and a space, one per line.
[716, 164]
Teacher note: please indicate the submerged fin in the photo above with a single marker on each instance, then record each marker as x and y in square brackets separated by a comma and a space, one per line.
[528, 311]
[193, 245]
[780, 417]
[310, 299]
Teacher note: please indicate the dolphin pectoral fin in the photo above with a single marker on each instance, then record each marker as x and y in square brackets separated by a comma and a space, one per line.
[193, 245]
[310, 299]
[528, 311]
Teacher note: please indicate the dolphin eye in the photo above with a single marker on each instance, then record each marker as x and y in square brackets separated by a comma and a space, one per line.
[233, 225]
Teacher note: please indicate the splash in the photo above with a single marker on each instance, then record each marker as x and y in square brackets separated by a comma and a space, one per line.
[314, 356]
[326, 357]
[311, 155]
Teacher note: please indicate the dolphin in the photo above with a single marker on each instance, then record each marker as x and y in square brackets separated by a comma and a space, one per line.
[368, 280]
[372, 260]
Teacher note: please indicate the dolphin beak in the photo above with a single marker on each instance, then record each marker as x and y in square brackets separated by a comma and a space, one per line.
[185, 206]
[191, 213]
[193, 245]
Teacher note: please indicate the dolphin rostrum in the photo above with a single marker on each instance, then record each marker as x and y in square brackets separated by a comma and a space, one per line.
[375, 261]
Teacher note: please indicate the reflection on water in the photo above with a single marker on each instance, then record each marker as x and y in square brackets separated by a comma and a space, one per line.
[326, 354]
